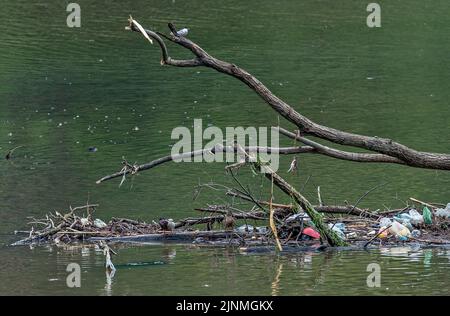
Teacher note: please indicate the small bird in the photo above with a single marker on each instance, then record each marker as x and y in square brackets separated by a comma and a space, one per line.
[229, 220]
[183, 32]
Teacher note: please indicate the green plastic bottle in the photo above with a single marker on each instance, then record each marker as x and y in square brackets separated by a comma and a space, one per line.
[426, 213]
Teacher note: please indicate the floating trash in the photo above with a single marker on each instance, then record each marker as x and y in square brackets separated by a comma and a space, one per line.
[245, 229]
[416, 217]
[262, 229]
[297, 218]
[427, 216]
[99, 223]
[308, 231]
[385, 222]
[399, 230]
[443, 212]
[337, 230]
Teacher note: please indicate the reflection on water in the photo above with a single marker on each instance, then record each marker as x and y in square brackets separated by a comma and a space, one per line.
[155, 270]
[65, 91]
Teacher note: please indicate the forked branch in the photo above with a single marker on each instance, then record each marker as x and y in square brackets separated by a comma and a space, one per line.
[391, 152]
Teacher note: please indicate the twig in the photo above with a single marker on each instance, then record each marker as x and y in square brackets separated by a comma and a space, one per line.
[365, 194]
[319, 197]
[271, 221]
[423, 203]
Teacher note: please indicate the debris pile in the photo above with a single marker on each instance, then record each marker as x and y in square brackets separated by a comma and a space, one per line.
[294, 228]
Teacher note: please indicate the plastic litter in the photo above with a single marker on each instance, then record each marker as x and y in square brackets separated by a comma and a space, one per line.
[427, 216]
[262, 229]
[340, 226]
[384, 221]
[296, 218]
[337, 230]
[383, 232]
[308, 231]
[399, 230]
[416, 217]
[403, 216]
[441, 212]
[404, 219]
[99, 223]
[245, 229]
[416, 233]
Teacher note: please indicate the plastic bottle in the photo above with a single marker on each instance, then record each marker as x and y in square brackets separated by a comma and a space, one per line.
[404, 219]
[416, 218]
[399, 230]
[443, 212]
[384, 221]
[383, 232]
[427, 216]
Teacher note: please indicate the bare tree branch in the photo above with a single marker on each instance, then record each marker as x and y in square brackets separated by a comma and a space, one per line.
[384, 146]
[339, 154]
[203, 152]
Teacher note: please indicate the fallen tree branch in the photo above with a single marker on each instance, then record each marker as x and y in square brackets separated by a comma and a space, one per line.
[209, 151]
[384, 146]
[340, 154]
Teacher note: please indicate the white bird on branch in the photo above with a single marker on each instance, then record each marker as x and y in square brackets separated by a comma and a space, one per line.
[183, 32]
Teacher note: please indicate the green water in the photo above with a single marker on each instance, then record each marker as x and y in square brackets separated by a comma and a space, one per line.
[64, 89]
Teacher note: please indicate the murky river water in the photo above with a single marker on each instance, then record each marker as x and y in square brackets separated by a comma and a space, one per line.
[63, 90]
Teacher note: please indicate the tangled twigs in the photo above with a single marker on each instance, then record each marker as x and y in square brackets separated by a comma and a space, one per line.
[332, 209]
[127, 168]
[72, 227]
